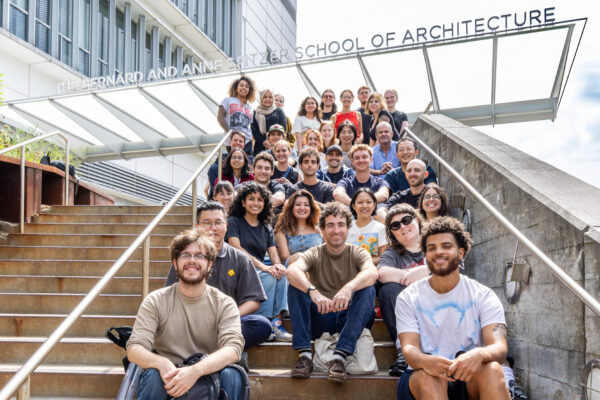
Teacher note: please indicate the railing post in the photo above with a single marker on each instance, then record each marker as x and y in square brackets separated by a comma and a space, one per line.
[66, 201]
[22, 210]
[23, 392]
[220, 164]
[194, 201]
[146, 267]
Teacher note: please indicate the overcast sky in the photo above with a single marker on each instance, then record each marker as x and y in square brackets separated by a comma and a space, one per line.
[571, 142]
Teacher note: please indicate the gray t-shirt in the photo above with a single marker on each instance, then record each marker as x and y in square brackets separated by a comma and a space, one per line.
[406, 260]
[238, 116]
[233, 274]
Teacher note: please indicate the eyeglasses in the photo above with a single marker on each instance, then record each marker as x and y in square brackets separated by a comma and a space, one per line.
[432, 197]
[197, 257]
[328, 96]
[218, 224]
[406, 220]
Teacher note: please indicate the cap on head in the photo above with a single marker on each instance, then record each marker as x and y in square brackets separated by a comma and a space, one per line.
[334, 147]
[276, 127]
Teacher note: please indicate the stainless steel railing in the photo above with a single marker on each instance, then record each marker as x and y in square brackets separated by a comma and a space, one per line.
[573, 286]
[22, 376]
[22, 147]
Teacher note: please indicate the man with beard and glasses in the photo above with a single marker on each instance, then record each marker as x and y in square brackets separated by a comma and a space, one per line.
[189, 317]
[234, 274]
[452, 328]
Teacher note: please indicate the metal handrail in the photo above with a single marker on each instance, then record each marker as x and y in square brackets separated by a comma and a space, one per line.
[143, 239]
[22, 146]
[573, 286]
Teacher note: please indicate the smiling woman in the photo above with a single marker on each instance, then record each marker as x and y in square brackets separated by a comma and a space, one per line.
[365, 231]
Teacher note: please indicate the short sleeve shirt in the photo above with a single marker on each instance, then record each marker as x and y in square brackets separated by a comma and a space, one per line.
[406, 260]
[351, 185]
[370, 237]
[397, 180]
[330, 272]
[321, 192]
[238, 116]
[254, 239]
[450, 322]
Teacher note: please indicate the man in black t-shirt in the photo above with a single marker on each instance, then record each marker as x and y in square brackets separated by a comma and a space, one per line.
[416, 172]
[233, 274]
[264, 166]
[321, 191]
[335, 171]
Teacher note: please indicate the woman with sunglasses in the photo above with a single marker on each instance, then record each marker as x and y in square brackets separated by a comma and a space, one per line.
[237, 168]
[296, 229]
[433, 202]
[365, 231]
[248, 230]
[400, 265]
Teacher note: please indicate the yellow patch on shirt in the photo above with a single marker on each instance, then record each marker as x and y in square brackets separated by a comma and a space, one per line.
[231, 272]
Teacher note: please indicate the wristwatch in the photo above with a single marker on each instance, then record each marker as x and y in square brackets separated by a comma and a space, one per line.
[311, 287]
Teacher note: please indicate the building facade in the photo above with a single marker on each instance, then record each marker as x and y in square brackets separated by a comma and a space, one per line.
[46, 43]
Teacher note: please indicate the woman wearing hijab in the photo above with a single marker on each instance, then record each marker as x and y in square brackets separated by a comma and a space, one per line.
[265, 115]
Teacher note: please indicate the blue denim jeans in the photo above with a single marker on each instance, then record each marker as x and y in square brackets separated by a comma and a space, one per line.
[276, 291]
[152, 387]
[256, 329]
[308, 323]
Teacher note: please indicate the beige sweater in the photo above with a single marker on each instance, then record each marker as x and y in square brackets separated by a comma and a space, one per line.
[177, 326]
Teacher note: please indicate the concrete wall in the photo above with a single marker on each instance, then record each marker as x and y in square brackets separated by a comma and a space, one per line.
[551, 333]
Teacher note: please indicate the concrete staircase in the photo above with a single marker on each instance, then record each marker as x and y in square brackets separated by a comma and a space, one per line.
[47, 270]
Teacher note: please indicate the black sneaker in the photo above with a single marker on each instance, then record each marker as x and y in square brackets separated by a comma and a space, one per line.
[399, 366]
[516, 391]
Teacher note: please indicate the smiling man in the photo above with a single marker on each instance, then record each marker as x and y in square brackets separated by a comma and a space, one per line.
[406, 151]
[164, 334]
[452, 328]
[339, 297]
[416, 172]
[384, 153]
[264, 167]
[361, 156]
[234, 274]
[309, 165]
[335, 170]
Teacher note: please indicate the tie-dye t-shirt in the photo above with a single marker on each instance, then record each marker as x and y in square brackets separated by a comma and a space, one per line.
[450, 322]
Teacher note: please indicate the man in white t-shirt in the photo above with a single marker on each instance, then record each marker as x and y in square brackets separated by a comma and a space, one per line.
[452, 328]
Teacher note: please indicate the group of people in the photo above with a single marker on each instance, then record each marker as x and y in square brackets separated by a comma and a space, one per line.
[314, 220]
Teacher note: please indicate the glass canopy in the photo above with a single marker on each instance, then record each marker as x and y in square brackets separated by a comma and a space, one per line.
[481, 80]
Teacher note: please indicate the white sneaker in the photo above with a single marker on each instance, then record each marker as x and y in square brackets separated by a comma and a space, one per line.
[279, 332]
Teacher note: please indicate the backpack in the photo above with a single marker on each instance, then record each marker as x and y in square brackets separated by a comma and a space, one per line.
[61, 165]
[120, 339]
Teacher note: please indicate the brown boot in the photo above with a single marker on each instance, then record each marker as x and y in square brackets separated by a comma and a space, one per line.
[303, 368]
[337, 371]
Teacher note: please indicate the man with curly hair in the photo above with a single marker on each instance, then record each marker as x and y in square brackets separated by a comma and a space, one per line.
[339, 297]
[452, 328]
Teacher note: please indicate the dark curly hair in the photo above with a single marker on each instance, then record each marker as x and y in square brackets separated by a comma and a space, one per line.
[446, 225]
[355, 196]
[246, 169]
[444, 211]
[402, 208]
[251, 88]
[245, 189]
[336, 209]
[287, 223]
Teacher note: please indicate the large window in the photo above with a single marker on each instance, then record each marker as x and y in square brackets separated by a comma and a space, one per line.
[42, 25]
[65, 31]
[120, 44]
[84, 36]
[102, 37]
[18, 18]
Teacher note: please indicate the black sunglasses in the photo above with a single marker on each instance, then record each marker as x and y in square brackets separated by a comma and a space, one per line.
[406, 220]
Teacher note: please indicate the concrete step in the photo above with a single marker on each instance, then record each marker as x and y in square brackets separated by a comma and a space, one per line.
[113, 218]
[96, 381]
[71, 350]
[104, 228]
[42, 325]
[79, 380]
[96, 325]
[88, 239]
[116, 210]
[52, 303]
[69, 284]
[78, 267]
[278, 354]
[80, 253]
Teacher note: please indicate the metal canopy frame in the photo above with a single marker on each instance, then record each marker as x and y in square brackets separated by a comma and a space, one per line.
[192, 130]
